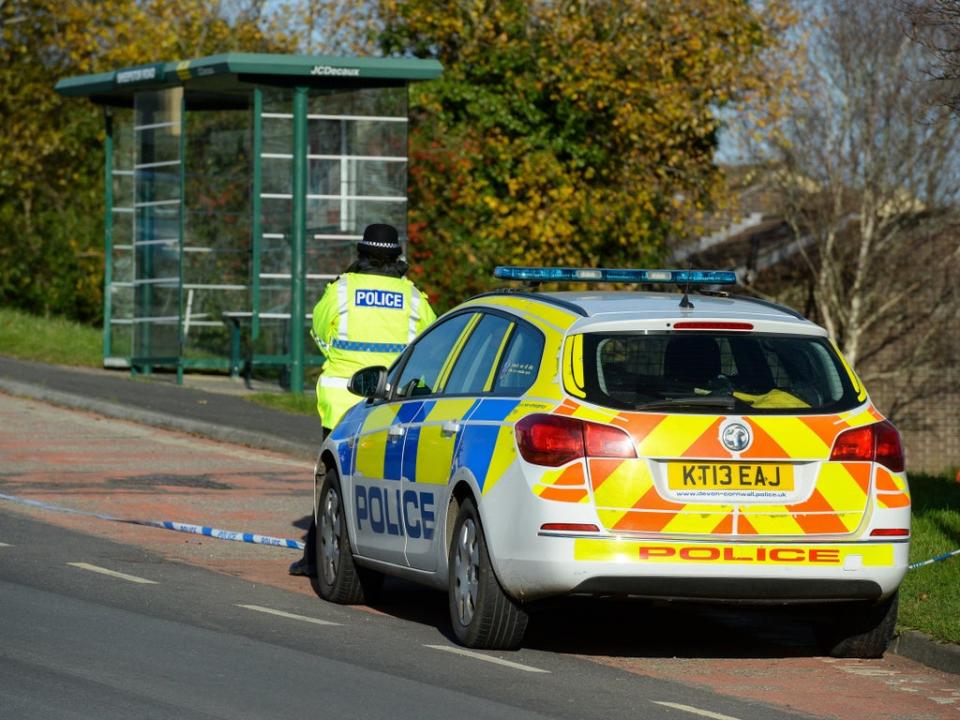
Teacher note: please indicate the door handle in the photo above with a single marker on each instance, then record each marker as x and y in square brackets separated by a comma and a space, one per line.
[449, 428]
[395, 431]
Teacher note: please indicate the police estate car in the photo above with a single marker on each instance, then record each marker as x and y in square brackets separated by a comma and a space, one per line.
[637, 444]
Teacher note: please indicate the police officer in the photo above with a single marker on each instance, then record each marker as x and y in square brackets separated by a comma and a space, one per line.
[365, 317]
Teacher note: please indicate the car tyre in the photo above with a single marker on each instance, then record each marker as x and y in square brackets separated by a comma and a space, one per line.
[860, 632]
[338, 578]
[482, 614]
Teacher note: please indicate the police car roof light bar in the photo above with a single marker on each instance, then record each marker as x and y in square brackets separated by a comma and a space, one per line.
[624, 275]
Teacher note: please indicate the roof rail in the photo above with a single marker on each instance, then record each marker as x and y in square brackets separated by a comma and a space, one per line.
[772, 305]
[549, 299]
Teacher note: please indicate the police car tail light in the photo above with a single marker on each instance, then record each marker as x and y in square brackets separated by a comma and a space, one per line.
[879, 443]
[606, 441]
[556, 439]
[549, 439]
[890, 532]
[889, 447]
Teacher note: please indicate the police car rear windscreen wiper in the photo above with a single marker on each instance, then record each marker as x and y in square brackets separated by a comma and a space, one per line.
[726, 402]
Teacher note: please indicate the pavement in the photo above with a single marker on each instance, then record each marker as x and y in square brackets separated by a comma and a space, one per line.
[213, 407]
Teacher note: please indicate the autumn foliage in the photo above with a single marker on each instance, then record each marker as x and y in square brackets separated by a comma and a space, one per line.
[577, 133]
[51, 175]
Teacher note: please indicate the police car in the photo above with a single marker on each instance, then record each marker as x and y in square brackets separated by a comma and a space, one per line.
[686, 446]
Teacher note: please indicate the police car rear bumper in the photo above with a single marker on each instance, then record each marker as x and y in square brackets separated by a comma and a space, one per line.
[748, 590]
[723, 571]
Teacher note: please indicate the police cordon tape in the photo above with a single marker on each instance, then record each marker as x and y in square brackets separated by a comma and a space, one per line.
[931, 561]
[165, 525]
[266, 539]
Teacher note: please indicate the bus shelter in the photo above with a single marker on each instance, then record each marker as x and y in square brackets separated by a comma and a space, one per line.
[236, 187]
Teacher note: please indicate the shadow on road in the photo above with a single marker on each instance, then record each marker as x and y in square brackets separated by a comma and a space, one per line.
[631, 628]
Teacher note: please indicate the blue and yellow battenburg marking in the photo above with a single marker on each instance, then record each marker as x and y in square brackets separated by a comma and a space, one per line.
[427, 452]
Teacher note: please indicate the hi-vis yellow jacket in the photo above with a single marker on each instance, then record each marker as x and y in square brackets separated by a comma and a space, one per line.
[362, 320]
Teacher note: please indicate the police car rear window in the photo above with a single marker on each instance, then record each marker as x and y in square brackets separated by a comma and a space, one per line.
[705, 372]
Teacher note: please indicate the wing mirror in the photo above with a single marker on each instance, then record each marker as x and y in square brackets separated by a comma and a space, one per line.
[370, 383]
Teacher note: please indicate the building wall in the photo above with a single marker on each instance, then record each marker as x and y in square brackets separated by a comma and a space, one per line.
[931, 430]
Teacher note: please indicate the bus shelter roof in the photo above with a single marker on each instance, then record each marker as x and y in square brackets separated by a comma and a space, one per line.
[228, 74]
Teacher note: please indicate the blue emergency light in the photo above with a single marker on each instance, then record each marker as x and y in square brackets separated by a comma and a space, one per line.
[625, 275]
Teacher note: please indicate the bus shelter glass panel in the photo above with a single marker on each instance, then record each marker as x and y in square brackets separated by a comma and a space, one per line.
[119, 301]
[356, 174]
[276, 218]
[217, 232]
[157, 129]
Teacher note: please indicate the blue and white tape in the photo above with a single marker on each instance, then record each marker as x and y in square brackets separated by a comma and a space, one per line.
[165, 525]
[258, 539]
[938, 558]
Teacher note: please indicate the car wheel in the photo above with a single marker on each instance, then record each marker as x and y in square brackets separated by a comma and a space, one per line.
[338, 578]
[483, 615]
[860, 632]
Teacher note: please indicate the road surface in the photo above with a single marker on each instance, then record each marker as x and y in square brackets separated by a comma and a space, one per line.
[103, 619]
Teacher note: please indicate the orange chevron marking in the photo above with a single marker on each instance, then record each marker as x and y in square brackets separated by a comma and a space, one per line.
[649, 521]
[641, 425]
[651, 500]
[567, 408]
[876, 413]
[820, 524]
[744, 527]
[893, 501]
[763, 445]
[573, 475]
[708, 446]
[571, 495]
[827, 428]
[860, 472]
[885, 481]
[725, 526]
[601, 469]
[644, 521]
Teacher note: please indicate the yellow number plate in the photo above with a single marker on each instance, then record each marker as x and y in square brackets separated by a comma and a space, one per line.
[758, 477]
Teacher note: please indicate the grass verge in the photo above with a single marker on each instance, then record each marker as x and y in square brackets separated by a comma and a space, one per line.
[302, 404]
[930, 595]
[49, 339]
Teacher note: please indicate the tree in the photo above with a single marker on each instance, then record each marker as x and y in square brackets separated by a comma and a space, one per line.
[866, 163]
[577, 132]
[936, 25]
[51, 178]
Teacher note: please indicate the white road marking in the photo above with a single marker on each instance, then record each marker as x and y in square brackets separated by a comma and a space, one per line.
[5, 545]
[869, 671]
[281, 613]
[112, 573]
[486, 658]
[695, 711]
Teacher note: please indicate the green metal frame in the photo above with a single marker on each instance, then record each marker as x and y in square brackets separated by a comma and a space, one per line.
[108, 236]
[181, 233]
[298, 237]
[257, 209]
